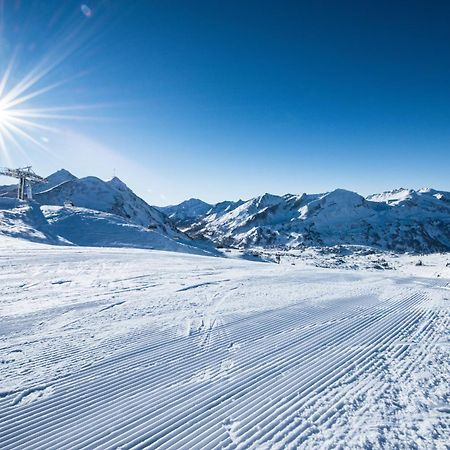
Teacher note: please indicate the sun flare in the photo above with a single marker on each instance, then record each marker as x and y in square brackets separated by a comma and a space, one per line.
[23, 123]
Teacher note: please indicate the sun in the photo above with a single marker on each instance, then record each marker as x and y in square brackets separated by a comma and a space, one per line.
[6, 116]
[23, 122]
[17, 127]
[3, 116]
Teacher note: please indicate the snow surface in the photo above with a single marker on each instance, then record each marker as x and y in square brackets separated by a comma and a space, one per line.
[24, 220]
[126, 348]
[87, 227]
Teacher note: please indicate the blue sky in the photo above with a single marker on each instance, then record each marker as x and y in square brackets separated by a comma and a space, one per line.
[226, 100]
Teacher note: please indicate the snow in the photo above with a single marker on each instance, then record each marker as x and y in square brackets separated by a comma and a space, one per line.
[53, 180]
[25, 220]
[129, 348]
[91, 193]
[87, 227]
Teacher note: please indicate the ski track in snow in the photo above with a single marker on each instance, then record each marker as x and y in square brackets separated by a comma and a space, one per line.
[133, 349]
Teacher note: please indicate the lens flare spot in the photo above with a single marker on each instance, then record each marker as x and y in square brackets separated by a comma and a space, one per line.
[86, 10]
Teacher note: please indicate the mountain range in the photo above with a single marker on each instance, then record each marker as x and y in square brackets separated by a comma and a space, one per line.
[402, 220]
[90, 211]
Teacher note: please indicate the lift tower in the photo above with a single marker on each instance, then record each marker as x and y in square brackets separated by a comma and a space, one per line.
[26, 177]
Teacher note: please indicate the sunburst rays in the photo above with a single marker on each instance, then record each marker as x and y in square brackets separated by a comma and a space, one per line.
[21, 120]
[29, 112]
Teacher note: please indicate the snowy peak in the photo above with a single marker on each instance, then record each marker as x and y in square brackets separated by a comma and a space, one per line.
[193, 211]
[117, 183]
[267, 200]
[395, 195]
[55, 179]
[186, 212]
[425, 201]
[194, 203]
[61, 176]
[343, 197]
[339, 203]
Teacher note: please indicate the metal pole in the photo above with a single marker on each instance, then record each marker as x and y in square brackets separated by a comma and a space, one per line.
[29, 191]
[22, 188]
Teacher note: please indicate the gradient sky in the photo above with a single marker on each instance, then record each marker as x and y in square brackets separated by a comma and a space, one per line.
[230, 99]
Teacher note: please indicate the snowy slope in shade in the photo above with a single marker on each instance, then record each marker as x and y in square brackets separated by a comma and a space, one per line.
[85, 227]
[8, 190]
[417, 221]
[24, 220]
[224, 207]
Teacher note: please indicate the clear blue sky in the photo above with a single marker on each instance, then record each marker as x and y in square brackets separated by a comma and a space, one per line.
[228, 99]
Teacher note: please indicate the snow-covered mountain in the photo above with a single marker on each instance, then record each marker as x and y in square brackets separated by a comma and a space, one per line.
[113, 197]
[189, 212]
[90, 211]
[186, 212]
[400, 220]
[55, 179]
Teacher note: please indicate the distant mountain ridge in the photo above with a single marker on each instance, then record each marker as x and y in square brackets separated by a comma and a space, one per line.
[402, 220]
[185, 212]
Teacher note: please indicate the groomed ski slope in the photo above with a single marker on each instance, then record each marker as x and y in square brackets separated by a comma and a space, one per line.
[115, 348]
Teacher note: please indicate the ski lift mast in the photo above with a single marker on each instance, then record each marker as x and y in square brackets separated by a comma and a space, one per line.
[26, 177]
